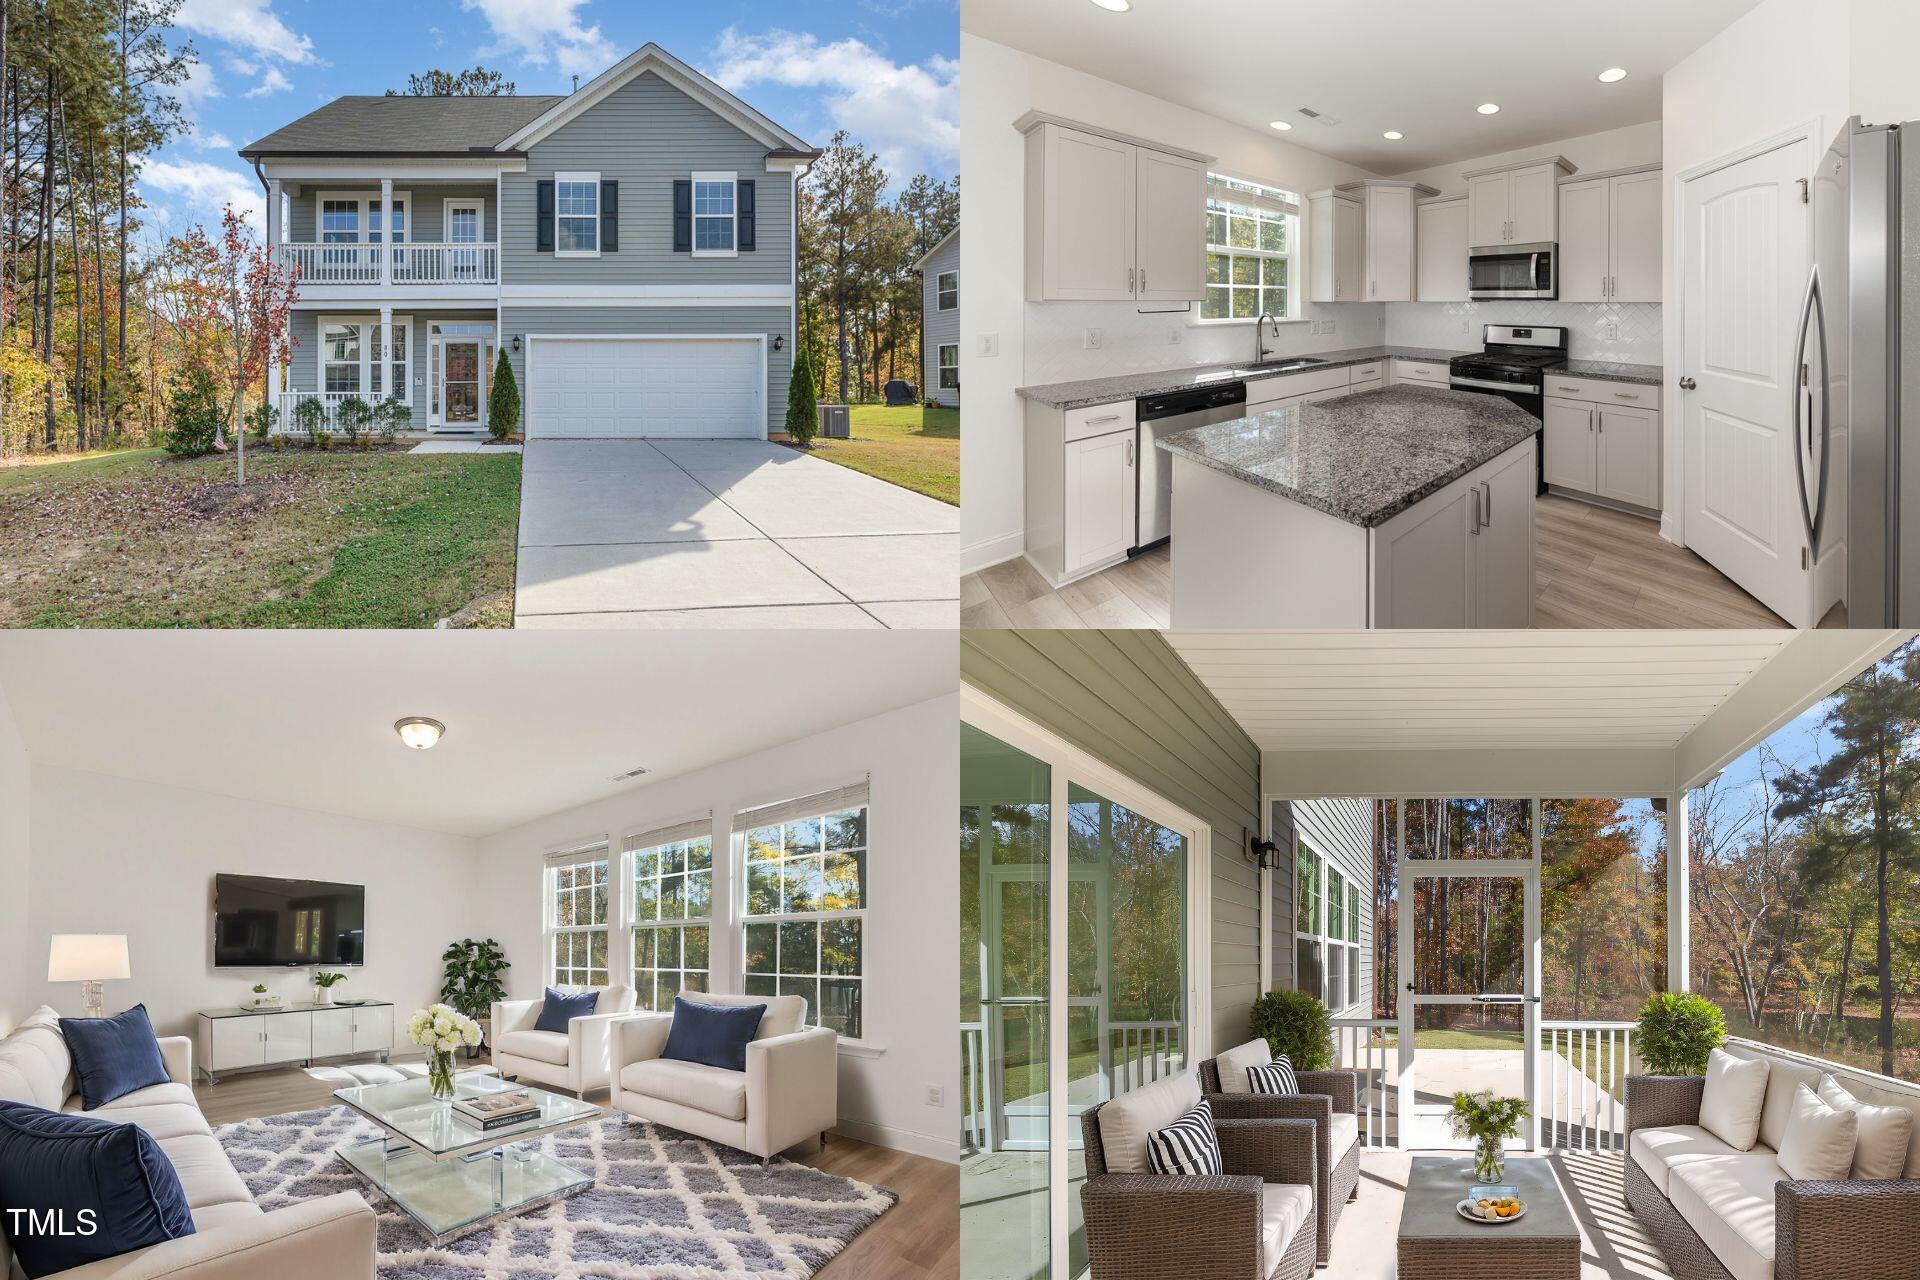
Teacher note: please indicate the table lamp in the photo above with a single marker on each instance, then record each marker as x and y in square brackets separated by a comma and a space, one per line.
[88, 959]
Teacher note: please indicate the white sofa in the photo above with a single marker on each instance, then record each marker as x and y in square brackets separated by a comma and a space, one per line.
[578, 1060]
[788, 1093]
[331, 1238]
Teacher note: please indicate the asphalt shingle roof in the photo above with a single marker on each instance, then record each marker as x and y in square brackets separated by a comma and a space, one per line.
[404, 125]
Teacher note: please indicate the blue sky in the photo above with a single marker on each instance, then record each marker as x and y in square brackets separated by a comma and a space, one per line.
[885, 70]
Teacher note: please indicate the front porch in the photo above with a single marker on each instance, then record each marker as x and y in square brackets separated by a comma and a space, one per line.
[438, 363]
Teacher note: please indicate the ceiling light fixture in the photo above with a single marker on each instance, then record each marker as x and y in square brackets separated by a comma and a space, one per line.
[1489, 108]
[1393, 135]
[1281, 125]
[1115, 6]
[1613, 75]
[419, 732]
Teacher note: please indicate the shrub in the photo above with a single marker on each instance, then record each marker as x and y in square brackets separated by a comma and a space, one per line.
[261, 420]
[193, 413]
[323, 441]
[1296, 1024]
[353, 415]
[803, 408]
[503, 402]
[395, 415]
[1677, 1033]
[310, 416]
[277, 443]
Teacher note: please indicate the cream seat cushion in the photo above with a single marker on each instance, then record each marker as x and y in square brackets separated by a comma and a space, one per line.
[172, 1093]
[1284, 1210]
[1233, 1064]
[541, 1046]
[160, 1123]
[1659, 1151]
[1729, 1204]
[1880, 1149]
[1342, 1134]
[206, 1176]
[1820, 1139]
[714, 1090]
[1732, 1100]
[35, 1067]
[1128, 1119]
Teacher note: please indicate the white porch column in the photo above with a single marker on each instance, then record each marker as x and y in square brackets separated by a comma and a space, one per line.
[380, 350]
[273, 248]
[386, 230]
[1679, 894]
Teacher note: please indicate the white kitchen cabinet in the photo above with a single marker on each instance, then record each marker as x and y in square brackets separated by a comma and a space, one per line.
[1515, 204]
[1440, 250]
[1100, 500]
[1603, 440]
[1536, 213]
[1503, 546]
[1462, 557]
[1171, 227]
[1628, 458]
[1081, 499]
[1636, 237]
[234, 1043]
[1331, 393]
[1586, 253]
[1388, 237]
[1610, 238]
[1421, 373]
[1571, 454]
[1336, 248]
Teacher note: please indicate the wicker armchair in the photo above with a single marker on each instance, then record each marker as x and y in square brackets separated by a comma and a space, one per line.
[1322, 1095]
[1151, 1226]
[1855, 1230]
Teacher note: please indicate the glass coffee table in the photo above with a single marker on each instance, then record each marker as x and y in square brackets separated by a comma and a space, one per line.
[451, 1176]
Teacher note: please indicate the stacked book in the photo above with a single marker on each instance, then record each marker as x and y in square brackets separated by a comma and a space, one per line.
[496, 1110]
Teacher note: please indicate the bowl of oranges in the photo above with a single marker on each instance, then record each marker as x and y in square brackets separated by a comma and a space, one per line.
[1492, 1204]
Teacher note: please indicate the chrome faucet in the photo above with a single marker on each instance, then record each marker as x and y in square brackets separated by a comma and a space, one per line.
[1260, 348]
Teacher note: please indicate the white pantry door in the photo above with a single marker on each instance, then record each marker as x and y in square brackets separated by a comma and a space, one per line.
[1746, 263]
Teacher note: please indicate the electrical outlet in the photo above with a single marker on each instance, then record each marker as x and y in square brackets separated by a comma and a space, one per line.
[1613, 331]
[989, 345]
[1091, 340]
[936, 1096]
[1332, 325]
[1173, 335]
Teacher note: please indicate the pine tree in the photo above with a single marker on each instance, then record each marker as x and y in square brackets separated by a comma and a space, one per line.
[803, 412]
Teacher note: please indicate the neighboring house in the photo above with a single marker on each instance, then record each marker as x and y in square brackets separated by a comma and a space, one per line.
[940, 321]
[630, 245]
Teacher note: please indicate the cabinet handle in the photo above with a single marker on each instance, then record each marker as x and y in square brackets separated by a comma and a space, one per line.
[1094, 422]
[1129, 453]
[1143, 279]
[1130, 284]
[1626, 395]
[1488, 489]
[1476, 510]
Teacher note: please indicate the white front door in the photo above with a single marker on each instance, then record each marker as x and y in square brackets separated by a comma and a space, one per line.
[1745, 258]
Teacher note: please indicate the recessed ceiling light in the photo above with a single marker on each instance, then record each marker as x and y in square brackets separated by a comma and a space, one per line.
[1281, 125]
[1115, 6]
[1489, 108]
[1393, 135]
[419, 732]
[1613, 75]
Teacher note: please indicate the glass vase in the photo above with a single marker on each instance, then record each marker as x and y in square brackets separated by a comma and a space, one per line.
[440, 1074]
[1489, 1160]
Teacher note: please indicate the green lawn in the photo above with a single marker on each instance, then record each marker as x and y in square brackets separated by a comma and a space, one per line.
[139, 539]
[915, 447]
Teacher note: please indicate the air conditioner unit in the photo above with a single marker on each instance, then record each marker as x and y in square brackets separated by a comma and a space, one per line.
[835, 422]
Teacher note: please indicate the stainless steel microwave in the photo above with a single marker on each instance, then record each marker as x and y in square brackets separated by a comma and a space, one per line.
[1513, 271]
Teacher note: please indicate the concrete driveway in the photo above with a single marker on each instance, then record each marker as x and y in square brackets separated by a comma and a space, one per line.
[725, 533]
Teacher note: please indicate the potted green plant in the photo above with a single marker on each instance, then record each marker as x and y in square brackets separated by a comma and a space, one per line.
[470, 982]
[1296, 1024]
[1678, 1032]
[326, 982]
[1489, 1121]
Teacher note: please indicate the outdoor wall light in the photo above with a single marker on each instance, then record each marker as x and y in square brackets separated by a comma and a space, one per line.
[1265, 853]
[516, 344]
[419, 732]
[779, 341]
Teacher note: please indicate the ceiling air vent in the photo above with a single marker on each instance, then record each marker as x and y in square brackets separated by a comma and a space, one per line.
[629, 775]
[1321, 117]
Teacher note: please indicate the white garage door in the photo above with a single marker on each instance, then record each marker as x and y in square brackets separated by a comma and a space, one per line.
[602, 388]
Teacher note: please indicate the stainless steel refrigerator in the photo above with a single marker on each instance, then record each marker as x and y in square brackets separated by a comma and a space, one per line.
[1857, 414]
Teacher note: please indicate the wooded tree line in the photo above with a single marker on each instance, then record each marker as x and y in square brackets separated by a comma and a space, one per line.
[860, 296]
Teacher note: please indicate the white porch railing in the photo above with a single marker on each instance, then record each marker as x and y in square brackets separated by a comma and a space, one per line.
[1143, 1052]
[286, 424]
[1366, 1045]
[413, 264]
[1580, 1085]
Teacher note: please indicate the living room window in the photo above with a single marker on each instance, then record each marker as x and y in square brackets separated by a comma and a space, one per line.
[671, 871]
[576, 215]
[340, 359]
[805, 903]
[577, 908]
[1253, 235]
[949, 355]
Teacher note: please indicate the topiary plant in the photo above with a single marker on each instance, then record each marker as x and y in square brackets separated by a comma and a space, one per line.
[1296, 1024]
[503, 402]
[1678, 1031]
[803, 410]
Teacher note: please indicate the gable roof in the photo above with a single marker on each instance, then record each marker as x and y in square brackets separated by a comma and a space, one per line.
[944, 241]
[404, 126]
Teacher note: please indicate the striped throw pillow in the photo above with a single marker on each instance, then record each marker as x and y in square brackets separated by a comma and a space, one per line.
[1188, 1145]
[1276, 1077]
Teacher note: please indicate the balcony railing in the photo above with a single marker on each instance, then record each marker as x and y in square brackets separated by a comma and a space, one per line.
[413, 264]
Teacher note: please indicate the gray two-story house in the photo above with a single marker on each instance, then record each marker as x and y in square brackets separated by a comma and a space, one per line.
[940, 321]
[631, 246]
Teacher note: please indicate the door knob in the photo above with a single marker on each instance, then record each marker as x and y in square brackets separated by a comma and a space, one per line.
[1687, 384]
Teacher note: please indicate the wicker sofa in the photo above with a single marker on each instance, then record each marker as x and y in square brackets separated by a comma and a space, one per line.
[1722, 1214]
[1328, 1099]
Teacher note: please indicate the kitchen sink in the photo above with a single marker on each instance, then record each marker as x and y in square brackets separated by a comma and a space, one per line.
[1279, 366]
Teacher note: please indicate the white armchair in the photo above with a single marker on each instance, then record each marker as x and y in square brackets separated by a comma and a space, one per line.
[788, 1093]
[578, 1061]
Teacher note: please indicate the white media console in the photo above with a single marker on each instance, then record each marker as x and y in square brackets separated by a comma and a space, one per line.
[232, 1039]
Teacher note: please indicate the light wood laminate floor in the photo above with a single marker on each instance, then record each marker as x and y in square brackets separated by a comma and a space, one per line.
[1594, 567]
[917, 1239]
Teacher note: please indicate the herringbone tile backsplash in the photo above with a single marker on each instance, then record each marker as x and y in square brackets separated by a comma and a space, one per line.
[1459, 325]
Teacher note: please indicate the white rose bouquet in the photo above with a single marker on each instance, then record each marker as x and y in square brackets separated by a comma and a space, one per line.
[440, 1029]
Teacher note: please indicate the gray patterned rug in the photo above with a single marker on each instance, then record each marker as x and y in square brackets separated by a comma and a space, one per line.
[664, 1205]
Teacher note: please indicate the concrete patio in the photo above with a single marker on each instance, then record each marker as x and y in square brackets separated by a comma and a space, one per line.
[725, 533]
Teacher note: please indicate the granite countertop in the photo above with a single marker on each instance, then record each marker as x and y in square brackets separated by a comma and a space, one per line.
[1362, 458]
[1648, 375]
[1131, 386]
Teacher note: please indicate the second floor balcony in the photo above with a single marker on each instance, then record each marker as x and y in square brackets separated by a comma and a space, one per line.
[408, 266]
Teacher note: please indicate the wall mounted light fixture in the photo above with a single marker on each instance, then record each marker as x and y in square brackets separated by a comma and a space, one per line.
[516, 344]
[779, 341]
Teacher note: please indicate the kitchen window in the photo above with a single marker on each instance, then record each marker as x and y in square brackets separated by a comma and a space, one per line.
[949, 361]
[805, 916]
[577, 902]
[713, 214]
[1253, 236]
[576, 215]
[671, 871]
[947, 290]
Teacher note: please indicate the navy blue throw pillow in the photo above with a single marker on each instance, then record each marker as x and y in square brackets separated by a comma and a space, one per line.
[80, 1188]
[113, 1056]
[561, 1008]
[713, 1034]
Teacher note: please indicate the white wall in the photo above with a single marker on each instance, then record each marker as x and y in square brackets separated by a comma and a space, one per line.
[913, 931]
[15, 960]
[1886, 89]
[1042, 342]
[116, 856]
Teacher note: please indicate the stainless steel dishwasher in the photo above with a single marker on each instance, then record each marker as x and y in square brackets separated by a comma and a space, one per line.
[1161, 416]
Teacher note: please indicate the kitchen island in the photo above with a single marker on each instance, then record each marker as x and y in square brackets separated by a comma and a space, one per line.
[1401, 507]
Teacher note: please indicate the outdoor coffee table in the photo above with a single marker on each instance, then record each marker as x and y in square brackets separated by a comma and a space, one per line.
[451, 1176]
[1436, 1243]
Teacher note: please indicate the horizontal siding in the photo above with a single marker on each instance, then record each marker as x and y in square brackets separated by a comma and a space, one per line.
[646, 135]
[663, 320]
[1341, 831]
[1125, 698]
[941, 326]
[303, 371]
[426, 220]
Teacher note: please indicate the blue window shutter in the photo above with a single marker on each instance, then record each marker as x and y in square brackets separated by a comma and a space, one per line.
[745, 218]
[610, 217]
[683, 215]
[543, 217]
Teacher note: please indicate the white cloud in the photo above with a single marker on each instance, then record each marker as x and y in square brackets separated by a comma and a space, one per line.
[199, 85]
[215, 141]
[246, 24]
[540, 31]
[201, 190]
[908, 114]
[274, 81]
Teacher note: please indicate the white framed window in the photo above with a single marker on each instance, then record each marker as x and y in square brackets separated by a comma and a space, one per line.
[1253, 240]
[946, 287]
[670, 871]
[347, 363]
[340, 358]
[1326, 931]
[579, 910]
[340, 221]
[803, 904]
[715, 206]
[948, 356]
[576, 210]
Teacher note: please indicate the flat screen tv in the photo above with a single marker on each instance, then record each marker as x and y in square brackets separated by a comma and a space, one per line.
[261, 921]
